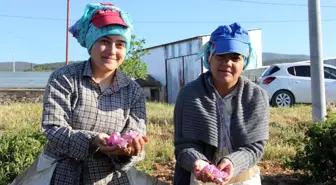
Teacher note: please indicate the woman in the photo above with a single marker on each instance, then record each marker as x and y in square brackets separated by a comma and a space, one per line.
[221, 118]
[84, 103]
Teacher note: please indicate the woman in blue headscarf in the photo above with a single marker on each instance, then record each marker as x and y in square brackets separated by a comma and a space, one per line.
[84, 103]
[221, 118]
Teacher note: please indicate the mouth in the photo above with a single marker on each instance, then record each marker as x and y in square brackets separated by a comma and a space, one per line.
[109, 58]
[224, 71]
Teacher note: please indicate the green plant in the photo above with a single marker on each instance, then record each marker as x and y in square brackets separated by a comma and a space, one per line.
[18, 151]
[133, 66]
[316, 159]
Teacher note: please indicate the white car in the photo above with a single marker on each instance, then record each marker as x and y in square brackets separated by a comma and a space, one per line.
[290, 83]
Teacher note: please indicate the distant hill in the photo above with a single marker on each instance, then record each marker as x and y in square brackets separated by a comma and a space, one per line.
[268, 59]
[26, 66]
[273, 58]
[51, 66]
[276, 56]
[19, 66]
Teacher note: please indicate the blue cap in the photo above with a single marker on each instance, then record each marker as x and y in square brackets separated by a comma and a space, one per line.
[231, 39]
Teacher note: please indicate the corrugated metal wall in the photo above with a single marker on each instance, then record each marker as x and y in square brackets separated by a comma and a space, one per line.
[180, 71]
[174, 78]
[182, 66]
[183, 48]
[192, 68]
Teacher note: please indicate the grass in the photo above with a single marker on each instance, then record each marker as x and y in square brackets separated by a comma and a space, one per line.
[287, 127]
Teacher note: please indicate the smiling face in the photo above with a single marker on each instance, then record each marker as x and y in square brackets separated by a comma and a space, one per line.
[226, 68]
[108, 53]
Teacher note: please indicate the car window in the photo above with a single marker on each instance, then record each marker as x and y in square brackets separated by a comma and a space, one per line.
[291, 71]
[329, 73]
[302, 71]
[271, 71]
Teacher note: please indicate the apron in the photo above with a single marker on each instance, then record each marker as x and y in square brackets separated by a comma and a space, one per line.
[38, 173]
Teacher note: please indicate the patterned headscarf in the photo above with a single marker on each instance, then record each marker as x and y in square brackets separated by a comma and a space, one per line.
[86, 33]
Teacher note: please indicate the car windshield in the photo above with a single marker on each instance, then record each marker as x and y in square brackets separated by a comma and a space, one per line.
[330, 73]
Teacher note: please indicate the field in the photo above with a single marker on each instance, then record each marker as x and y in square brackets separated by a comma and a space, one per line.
[287, 127]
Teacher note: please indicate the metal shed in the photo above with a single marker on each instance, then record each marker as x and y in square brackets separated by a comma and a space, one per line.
[174, 64]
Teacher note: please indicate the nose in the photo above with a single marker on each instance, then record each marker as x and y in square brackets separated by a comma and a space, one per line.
[227, 61]
[112, 48]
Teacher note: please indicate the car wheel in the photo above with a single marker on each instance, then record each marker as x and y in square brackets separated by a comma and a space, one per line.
[283, 98]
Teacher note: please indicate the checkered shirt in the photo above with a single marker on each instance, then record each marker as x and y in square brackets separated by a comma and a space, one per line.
[75, 110]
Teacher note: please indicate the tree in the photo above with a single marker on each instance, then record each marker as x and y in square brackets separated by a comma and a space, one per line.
[133, 66]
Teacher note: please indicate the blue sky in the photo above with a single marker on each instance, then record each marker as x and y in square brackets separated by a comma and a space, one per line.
[284, 28]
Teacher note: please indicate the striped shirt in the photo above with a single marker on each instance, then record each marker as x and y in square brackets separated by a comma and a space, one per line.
[75, 109]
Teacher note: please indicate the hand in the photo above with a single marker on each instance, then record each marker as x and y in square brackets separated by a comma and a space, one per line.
[201, 175]
[137, 145]
[227, 166]
[101, 140]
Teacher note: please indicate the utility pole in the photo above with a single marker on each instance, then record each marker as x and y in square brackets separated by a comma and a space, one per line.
[13, 55]
[67, 34]
[316, 61]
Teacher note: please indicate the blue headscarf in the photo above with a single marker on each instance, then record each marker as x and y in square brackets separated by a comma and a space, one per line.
[86, 33]
[229, 39]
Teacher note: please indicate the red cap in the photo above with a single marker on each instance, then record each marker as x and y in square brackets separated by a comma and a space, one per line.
[107, 17]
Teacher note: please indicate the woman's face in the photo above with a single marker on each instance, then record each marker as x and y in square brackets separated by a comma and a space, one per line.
[108, 52]
[226, 68]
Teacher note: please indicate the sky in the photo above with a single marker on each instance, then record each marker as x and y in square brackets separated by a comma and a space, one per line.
[35, 30]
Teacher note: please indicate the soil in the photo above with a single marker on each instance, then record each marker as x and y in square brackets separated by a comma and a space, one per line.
[271, 173]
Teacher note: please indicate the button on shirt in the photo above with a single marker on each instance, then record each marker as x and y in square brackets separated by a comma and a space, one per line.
[75, 110]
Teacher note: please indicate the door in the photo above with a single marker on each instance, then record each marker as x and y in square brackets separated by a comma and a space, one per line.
[174, 78]
[192, 68]
[330, 84]
[301, 84]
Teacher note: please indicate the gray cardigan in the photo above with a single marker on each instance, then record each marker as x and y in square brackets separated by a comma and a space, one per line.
[196, 124]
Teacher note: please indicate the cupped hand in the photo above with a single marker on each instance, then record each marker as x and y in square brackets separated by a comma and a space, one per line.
[226, 166]
[137, 145]
[202, 175]
[100, 141]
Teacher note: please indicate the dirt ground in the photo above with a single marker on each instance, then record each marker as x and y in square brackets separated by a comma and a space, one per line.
[272, 173]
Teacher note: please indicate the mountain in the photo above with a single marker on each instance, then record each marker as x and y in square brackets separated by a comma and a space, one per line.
[19, 66]
[50, 66]
[272, 58]
[26, 66]
[277, 56]
[268, 59]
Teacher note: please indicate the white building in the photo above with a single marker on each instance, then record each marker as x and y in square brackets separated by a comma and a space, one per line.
[174, 64]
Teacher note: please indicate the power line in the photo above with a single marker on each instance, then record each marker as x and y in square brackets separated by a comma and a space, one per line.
[277, 4]
[27, 40]
[28, 17]
[168, 22]
[205, 22]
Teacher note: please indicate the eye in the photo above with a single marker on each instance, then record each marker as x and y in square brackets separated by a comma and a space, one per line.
[235, 58]
[121, 44]
[104, 41]
[220, 57]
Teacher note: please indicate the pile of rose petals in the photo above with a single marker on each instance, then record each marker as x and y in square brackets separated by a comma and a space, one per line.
[122, 140]
[219, 175]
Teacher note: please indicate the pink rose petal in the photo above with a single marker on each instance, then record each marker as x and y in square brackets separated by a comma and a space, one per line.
[117, 139]
[219, 175]
[130, 135]
[122, 142]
